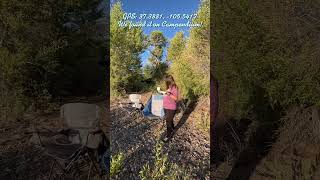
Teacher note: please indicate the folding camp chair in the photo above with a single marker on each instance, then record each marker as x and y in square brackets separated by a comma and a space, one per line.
[77, 145]
[134, 107]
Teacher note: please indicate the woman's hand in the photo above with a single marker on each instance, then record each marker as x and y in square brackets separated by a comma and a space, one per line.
[172, 96]
[168, 93]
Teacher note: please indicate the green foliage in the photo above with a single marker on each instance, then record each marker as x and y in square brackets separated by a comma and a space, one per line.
[162, 168]
[203, 121]
[252, 58]
[157, 39]
[125, 47]
[188, 59]
[191, 58]
[41, 58]
[26, 51]
[184, 77]
[155, 72]
[177, 44]
[157, 67]
[116, 164]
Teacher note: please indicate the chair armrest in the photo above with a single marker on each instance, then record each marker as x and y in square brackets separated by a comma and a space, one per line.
[96, 131]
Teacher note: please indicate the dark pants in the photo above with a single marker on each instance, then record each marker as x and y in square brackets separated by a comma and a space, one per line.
[169, 115]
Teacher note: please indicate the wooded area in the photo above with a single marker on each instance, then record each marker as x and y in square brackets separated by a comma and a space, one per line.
[187, 57]
[266, 62]
[138, 149]
[267, 52]
[50, 50]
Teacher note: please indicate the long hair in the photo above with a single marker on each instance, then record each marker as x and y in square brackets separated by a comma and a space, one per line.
[169, 82]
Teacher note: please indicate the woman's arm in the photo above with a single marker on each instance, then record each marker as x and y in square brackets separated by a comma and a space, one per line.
[172, 95]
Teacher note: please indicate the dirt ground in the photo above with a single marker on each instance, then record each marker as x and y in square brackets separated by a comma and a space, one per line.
[137, 137]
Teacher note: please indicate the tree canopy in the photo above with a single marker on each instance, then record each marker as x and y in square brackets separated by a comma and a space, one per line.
[187, 58]
[125, 47]
[191, 56]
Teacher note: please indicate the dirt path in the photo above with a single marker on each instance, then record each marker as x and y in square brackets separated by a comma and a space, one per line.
[137, 137]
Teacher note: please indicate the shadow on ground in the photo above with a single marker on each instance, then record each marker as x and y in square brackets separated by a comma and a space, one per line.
[191, 106]
[265, 126]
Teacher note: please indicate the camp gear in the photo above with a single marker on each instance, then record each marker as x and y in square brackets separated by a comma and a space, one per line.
[136, 100]
[154, 108]
[161, 92]
[134, 107]
[157, 105]
[79, 146]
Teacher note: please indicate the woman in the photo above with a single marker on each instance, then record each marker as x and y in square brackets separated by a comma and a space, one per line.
[170, 104]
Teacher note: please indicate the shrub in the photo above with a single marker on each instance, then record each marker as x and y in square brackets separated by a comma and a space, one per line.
[162, 168]
[190, 57]
[116, 164]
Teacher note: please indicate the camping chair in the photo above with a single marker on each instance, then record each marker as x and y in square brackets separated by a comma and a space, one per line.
[136, 101]
[134, 107]
[77, 145]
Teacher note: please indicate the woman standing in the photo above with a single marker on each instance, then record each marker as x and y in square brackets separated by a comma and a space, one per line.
[170, 104]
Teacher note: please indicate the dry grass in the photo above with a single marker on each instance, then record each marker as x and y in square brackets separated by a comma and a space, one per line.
[201, 115]
[296, 154]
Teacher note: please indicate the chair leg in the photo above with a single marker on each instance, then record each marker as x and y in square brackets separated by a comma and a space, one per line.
[51, 169]
[94, 165]
[75, 158]
[89, 171]
[54, 164]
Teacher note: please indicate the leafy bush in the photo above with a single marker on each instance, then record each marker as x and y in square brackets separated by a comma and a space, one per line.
[191, 57]
[257, 55]
[125, 47]
[41, 58]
